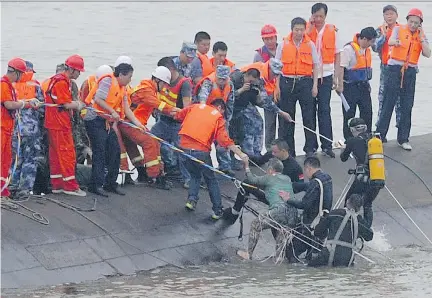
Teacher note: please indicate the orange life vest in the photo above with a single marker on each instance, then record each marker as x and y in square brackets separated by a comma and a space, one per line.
[207, 117]
[26, 87]
[216, 91]
[207, 66]
[143, 112]
[263, 68]
[170, 95]
[410, 46]
[386, 48]
[226, 63]
[297, 61]
[328, 43]
[114, 98]
[91, 81]
[362, 71]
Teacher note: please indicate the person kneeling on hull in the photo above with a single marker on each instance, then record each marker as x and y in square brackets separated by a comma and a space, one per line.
[343, 227]
[279, 213]
[370, 171]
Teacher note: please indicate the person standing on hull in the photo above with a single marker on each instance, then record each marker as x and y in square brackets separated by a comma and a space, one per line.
[58, 122]
[177, 94]
[291, 168]
[197, 142]
[29, 148]
[201, 65]
[298, 82]
[342, 227]
[382, 47]
[358, 146]
[407, 42]
[183, 62]
[109, 97]
[9, 105]
[264, 54]
[316, 203]
[278, 212]
[218, 85]
[356, 68]
[326, 39]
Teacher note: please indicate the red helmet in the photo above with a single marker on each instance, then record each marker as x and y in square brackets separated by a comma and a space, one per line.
[75, 62]
[415, 12]
[268, 31]
[18, 64]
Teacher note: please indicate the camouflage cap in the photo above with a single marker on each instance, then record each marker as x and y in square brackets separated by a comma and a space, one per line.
[276, 66]
[29, 66]
[60, 67]
[222, 71]
[189, 49]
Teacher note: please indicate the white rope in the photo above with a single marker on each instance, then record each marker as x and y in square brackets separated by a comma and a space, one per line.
[410, 218]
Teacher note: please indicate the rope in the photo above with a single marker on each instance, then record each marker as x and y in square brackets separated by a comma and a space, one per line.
[11, 206]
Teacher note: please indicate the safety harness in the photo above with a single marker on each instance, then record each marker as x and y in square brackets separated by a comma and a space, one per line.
[321, 207]
[333, 243]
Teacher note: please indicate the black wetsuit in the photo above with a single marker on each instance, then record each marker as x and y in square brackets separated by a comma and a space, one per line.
[358, 147]
[329, 225]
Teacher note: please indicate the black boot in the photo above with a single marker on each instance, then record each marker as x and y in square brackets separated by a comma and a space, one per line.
[229, 217]
[128, 180]
[160, 182]
[142, 174]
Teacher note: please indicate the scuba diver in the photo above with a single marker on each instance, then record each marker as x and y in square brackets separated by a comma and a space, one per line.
[369, 172]
[343, 227]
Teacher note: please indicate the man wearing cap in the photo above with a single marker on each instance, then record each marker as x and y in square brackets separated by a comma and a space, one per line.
[218, 85]
[258, 82]
[298, 82]
[382, 47]
[183, 62]
[28, 130]
[408, 42]
[326, 39]
[263, 54]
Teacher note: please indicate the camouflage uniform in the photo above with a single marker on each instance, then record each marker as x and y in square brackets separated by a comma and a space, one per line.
[189, 49]
[27, 128]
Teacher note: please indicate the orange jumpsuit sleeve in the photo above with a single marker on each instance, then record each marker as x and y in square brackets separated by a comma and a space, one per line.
[62, 92]
[222, 135]
[149, 99]
[6, 93]
[85, 90]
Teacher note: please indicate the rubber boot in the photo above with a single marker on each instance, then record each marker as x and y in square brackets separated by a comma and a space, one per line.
[142, 174]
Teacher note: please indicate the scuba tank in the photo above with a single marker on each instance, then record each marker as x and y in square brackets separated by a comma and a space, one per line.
[375, 157]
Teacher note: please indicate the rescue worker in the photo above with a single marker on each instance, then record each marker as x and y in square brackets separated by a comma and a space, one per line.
[218, 85]
[407, 42]
[263, 54]
[342, 227]
[298, 82]
[255, 88]
[183, 62]
[177, 94]
[107, 97]
[291, 168]
[278, 212]
[145, 99]
[220, 50]
[27, 138]
[9, 104]
[316, 203]
[88, 84]
[197, 143]
[328, 45]
[201, 65]
[382, 47]
[356, 68]
[58, 122]
[358, 146]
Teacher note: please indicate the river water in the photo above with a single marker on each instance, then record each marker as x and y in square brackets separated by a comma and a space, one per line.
[46, 33]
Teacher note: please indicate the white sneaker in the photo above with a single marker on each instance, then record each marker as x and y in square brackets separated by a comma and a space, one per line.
[406, 146]
[79, 192]
[57, 190]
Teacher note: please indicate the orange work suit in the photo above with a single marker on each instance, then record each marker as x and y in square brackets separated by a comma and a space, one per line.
[62, 157]
[6, 131]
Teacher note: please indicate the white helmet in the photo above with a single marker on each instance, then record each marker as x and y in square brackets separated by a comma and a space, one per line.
[103, 70]
[123, 59]
[162, 73]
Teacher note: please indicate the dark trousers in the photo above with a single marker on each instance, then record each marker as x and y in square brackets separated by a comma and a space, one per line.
[293, 90]
[369, 194]
[324, 112]
[393, 91]
[357, 94]
[270, 128]
[106, 152]
[197, 171]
